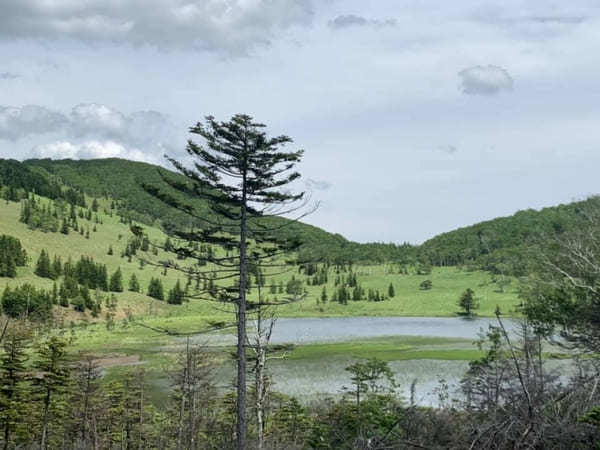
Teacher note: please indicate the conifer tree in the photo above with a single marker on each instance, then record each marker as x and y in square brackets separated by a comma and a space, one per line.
[63, 298]
[468, 302]
[155, 289]
[52, 364]
[134, 285]
[86, 399]
[43, 268]
[116, 281]
[12, 254]
[64, 228]
[13, 389]
[241, 172]
[176, 295]
[391, 291]
[56, 266]
[54, 294]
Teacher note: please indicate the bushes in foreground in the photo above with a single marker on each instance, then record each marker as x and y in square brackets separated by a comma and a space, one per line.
[509, 401]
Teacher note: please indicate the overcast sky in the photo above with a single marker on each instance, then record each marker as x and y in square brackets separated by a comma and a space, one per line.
[417, 116]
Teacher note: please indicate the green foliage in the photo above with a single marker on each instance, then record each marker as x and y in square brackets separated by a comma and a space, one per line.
[19, 177]
[373, 376]
[134, 285]
[426, 285]
[52, 384]
[176, 295]
[391, 291]
[27, 301]
[121, 179]
[12, 255]
[293, 286]
[155, 289]
[14, 375]
[505, 245]
[116, 281]
[424, 269]
[43, 267]
[468, 302]
[64, 228]
[92, 274]
[324, 295]
[39, 216]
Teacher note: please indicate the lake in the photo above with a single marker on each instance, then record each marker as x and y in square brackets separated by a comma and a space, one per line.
[312, 379]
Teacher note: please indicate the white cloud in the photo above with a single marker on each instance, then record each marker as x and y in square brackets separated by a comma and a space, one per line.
[95, 118]
[485, 80]
[90, 150]
[16, 123]
[231, 26]
[91, 131]
[86, 120]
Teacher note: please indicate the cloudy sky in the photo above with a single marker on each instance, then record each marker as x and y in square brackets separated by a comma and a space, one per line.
[417, 116]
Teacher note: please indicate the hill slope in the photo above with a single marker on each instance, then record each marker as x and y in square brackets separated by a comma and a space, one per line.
[120, 179]
[500, 245]
[505, 244]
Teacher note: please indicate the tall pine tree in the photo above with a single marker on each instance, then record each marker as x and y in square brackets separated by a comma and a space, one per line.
[241, 172]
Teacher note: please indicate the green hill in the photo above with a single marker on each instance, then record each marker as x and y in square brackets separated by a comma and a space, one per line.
[506, 244]
[121, 179]
[501, 245]
[96, 199]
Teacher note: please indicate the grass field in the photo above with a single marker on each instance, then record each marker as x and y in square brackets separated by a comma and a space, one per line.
[393, 348]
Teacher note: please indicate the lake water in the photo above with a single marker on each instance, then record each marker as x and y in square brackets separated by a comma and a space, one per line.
[339, 329]
[305, 331]
[312, 379]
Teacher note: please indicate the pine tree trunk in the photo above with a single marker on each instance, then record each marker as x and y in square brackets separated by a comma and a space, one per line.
[95, 433]
[6, 435]
[181, 412]
[241, 329]
[88, 376]
[261, 360]
[43, 443]
[260, 397]
[10, 394]
[141, 435]
[191, 397]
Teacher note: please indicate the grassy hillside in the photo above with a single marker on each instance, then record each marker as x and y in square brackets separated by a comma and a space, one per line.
[121, 180]
[448, 283]
[409, 299]
[502, 245]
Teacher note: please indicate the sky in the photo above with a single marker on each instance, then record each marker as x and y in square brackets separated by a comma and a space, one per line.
[416, 116]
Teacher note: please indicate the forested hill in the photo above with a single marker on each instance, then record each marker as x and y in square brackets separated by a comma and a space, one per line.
[502, 245]
[506, 244]
[121, 180]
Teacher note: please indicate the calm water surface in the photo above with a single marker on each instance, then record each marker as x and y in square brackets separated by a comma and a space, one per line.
[313, 379]
[348, 328]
